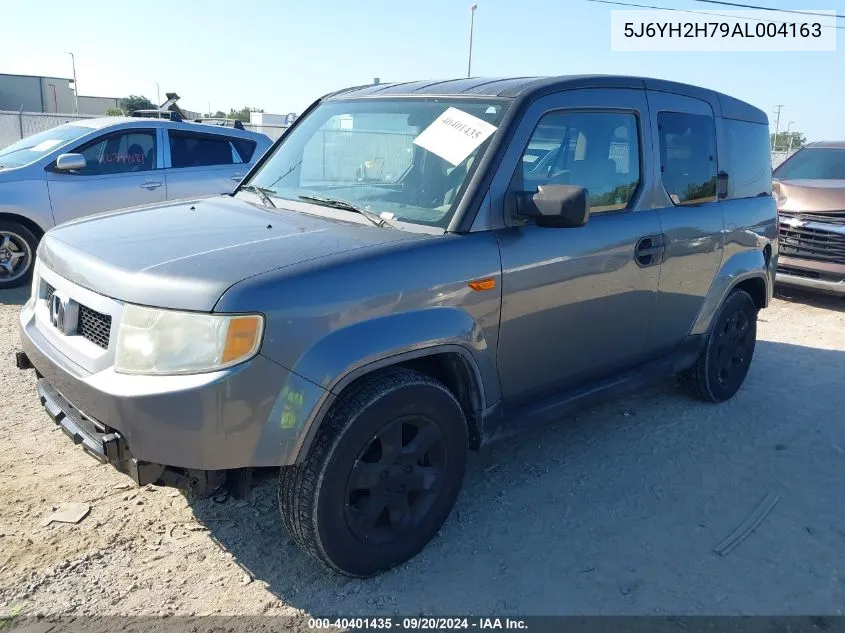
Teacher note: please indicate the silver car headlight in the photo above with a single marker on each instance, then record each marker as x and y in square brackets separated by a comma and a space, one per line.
[36, 280]
[154, 341]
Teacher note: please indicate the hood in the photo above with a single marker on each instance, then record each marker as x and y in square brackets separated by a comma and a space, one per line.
[13, 174]
[810, 196]
[186, 254]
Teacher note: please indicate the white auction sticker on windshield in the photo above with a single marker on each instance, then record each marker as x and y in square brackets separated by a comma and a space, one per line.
[43, 146]
[454, 135]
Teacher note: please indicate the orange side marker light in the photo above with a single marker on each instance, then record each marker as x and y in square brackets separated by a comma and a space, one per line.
[488, 283]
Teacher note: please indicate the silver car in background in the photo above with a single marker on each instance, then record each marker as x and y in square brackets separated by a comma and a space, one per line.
[98, 165]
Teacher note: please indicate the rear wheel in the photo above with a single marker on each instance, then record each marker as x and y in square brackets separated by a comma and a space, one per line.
[381, 477]
[723, 364]
[17, 254]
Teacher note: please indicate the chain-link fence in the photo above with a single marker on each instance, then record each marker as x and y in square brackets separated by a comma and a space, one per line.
[780, 155]
[271, 131]
[17, 125]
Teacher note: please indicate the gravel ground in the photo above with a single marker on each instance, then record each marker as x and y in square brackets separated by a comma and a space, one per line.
[615, 511]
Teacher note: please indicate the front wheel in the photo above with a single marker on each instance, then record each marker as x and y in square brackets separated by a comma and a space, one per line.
[17, 254]
[381, 476]
[723, 364]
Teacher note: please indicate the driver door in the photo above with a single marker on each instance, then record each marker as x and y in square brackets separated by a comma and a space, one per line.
[122, 171]
[577, 303]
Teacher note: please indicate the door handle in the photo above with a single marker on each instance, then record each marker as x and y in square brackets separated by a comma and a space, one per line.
[151, 185]
[236, 177]
[649, 250]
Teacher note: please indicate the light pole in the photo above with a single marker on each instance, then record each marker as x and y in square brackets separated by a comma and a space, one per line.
[158, 96]
[790, 138]
[75, 85]
[471, 25]
[777, 128]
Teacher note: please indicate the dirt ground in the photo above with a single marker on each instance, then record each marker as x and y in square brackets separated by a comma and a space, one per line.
[615, 511]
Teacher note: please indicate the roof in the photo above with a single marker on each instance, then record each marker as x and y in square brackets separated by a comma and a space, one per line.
[827, 144]
[35, 76]
[109, 121]
[529, 87]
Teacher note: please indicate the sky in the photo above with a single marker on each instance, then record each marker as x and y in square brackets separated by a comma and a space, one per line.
[281, 55]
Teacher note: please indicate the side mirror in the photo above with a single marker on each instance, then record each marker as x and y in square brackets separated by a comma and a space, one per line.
[554, 206]
[71, 162]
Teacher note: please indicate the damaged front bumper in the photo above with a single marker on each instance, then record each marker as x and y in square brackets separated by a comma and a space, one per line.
[108, 446]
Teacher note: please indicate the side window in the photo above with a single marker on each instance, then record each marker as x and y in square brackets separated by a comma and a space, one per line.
[244, 148]
[749, 159]
[121, 153]
[599, 151]
[687, 157]
[199, 150]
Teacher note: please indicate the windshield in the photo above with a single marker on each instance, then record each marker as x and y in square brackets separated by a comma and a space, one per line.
[814, 164]
[406, 159]
[38, 145]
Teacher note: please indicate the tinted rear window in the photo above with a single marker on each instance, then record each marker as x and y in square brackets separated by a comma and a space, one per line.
[687, 156]
[244, 148]
[815, 163]
[749, 159]
[199, 150]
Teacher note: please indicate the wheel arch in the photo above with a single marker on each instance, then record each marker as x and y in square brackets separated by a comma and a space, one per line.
[451, 364]
[30, 224]
[749, 270]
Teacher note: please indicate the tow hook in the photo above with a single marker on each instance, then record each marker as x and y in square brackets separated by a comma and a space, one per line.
[22, 361]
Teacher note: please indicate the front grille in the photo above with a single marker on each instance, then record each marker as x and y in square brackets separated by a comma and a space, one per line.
[92, 325]
[812, 242]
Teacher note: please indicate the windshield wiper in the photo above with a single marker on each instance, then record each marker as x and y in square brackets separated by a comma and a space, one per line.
[262, 193]
[337, 203]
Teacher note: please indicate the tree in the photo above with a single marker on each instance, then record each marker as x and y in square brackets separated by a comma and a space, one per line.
[218, 115]
[783, 138]
[115, 112]
[243, 113]
[136, 102]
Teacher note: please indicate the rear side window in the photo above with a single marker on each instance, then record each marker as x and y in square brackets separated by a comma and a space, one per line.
[244, 148]
[199, 150]
[749, 159]
[687, 157]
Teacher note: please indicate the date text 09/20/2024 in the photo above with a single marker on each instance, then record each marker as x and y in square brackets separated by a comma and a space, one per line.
[417, 623]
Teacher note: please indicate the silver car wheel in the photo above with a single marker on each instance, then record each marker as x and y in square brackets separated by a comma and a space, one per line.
[15, 256]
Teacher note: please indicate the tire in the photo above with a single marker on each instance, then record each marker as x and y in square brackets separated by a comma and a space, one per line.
[343, 503]
[720, 370]
[17, 254]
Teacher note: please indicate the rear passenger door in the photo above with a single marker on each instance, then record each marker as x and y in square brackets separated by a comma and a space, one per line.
[686, 157]
[204, 163]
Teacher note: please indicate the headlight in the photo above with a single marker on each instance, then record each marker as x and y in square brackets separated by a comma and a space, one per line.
[36, 279]
[153, 341]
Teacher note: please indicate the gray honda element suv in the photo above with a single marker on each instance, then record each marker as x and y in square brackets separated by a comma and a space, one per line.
[412, 271]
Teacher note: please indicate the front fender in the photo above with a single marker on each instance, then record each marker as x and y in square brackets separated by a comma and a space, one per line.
[28, 199]
[343, 355]
[749, 264]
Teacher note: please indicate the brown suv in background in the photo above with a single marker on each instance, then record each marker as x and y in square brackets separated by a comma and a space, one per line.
[810, 191]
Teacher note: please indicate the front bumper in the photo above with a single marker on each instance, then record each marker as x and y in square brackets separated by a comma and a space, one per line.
[104, 444]
[802, 273]
[223, 420]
